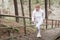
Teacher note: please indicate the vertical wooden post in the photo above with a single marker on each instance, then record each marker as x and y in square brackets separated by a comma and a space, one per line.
[16, 10]
[0, 14]
[23, 15]
[30, 10]
[46, 13]
[58, 23]
[52, 24]
[9, 34]
[55, 23]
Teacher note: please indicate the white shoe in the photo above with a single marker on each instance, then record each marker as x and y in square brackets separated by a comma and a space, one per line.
[38, 35]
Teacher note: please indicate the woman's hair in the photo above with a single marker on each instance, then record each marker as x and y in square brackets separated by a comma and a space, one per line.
[37, 5]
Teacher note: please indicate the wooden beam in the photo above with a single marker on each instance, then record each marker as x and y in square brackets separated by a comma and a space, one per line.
[30, 10]
[55, 23]
[16, 10]
[15, 16]
[23, 15]
[46, 13]
[58, 23]
[52, 24]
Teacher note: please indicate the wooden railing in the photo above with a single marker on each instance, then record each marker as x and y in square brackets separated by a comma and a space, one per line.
[52, 23]
[49, 21]
[46, 21]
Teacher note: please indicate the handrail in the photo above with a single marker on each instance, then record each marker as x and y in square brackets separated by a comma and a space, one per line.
[52, 21]
[22, 17]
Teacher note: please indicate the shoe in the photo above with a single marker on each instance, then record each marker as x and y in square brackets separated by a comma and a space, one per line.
[38, 35]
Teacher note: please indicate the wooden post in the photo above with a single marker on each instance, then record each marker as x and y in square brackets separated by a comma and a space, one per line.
[16, 10]
[46, 13]
[23, 15]
[52, 24]
[55, 23]
[58, 23]
[9, 34]
[0, 14]
[30, 10]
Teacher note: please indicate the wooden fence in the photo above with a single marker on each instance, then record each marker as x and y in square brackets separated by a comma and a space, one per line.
[46, 21]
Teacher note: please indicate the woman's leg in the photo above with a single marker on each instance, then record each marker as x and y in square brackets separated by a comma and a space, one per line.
[38, 30]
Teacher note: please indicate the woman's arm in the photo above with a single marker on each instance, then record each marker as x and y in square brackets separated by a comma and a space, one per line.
[43, 14]
[33, 17]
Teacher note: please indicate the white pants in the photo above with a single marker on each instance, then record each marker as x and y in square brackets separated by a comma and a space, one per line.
[38, 25]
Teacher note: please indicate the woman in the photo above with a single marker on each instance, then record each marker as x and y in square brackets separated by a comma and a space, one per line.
[37, 18]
